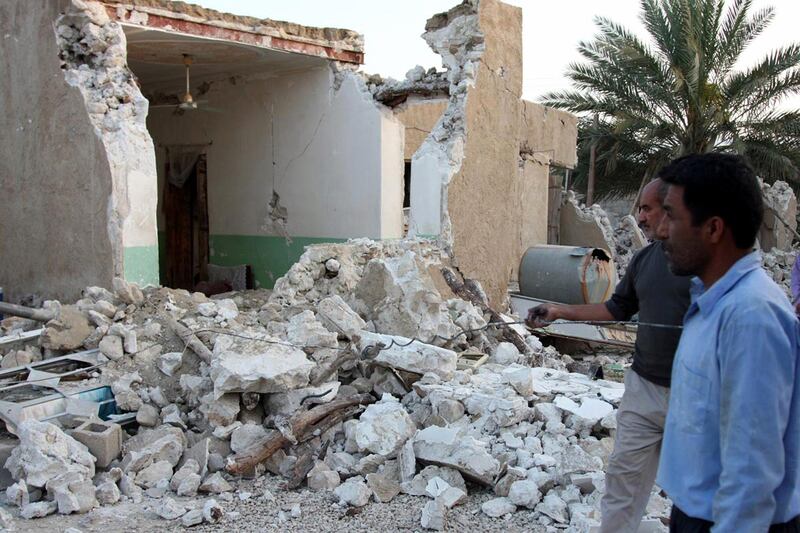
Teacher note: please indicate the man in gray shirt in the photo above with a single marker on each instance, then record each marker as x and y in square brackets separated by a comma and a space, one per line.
[659, 297]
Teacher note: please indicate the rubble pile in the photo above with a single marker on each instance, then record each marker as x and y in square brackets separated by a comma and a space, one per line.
[628, 239]
[351, 374]
[778, 264]
[418, 81]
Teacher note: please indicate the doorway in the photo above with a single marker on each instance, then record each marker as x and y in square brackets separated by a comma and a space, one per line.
[185, 202]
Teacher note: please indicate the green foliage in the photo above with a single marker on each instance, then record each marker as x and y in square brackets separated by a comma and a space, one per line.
[681, 92]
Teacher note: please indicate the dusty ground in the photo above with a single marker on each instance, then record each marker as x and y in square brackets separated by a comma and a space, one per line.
[319, 514]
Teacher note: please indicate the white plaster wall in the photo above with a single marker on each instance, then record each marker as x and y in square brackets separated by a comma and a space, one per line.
[392, 167]
[334, 157]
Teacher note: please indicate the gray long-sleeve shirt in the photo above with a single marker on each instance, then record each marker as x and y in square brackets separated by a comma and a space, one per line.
[649, 288]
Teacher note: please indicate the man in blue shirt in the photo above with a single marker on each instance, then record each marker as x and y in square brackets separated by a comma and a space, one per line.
[731, 452]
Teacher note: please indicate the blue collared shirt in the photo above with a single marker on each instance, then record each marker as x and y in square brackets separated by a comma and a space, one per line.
[732, 438]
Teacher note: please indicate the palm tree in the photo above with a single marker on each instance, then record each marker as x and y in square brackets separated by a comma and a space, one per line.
[680, 92]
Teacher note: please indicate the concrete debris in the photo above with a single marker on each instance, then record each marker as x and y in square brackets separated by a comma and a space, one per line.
[354, 492]
[45, 452]
[781, 210]
[418, 81]
[384, 427]
[401, 299]
[498, 507]
[402, 354]
[628, 239]
[585, 226]
[778, 264]
[68, 331]
[345, 315]
[263, 365]
[449, 447]
[434, 515]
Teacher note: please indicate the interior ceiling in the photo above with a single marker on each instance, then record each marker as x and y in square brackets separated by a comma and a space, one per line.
[156, 57]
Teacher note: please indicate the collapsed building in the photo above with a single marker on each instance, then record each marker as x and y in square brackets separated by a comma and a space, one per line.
[379, 368]
[188, 145]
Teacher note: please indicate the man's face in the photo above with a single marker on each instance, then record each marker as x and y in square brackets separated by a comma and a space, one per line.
[650, 210]
[687, 252]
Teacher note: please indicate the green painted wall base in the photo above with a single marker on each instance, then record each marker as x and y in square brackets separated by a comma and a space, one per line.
[270, 257]
[141, 265]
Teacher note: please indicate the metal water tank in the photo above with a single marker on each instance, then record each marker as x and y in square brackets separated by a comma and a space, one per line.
[567, 274]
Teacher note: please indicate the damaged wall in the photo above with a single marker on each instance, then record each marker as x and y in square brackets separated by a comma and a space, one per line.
[419, 116]
[551, 132]
[479, 181]
[333, 157]
[55, 179]
[485, 183]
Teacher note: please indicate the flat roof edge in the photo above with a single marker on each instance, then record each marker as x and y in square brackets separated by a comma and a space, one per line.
[348, 49]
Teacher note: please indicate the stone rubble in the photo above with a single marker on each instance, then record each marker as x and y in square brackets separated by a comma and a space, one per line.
[537, 438]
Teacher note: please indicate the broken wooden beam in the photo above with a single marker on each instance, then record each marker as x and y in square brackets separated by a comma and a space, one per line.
[190, 339]
[301, 426]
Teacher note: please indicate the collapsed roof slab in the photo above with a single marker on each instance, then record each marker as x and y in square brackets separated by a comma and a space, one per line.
[178, 17]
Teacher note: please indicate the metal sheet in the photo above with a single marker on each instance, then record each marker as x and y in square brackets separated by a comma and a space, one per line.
[623, 337]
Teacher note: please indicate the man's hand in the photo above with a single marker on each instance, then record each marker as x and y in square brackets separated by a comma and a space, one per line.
[543, 314]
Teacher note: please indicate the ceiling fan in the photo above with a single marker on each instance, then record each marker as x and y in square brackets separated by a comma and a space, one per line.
[186, 101]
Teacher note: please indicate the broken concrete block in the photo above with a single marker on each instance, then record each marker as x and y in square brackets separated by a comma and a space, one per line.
[127, 292]
[111, 347]
[6, 520]
[169, 509]
[215, 484]
[245, 437]
[128, 336]
[189, 486]
[336, 316]
[305, 330]
[192, 518]
[505, 354]
[498, 507]
[73, 493]
[45, 452]
[401, 299]
[522, 380]
[448, 410]
[165, 443]
[266, 365]
[433, 516]
[227, 309]
[221, 411]
[288, 403]
[171, 415]
[169, 363]
[17, 494]
[190, 466]
[103, 439]
[384, 427]
[436, 486]
[383, 488]
[407, 461]
[107, 493]
[448, 447]
[150, 475]
[207, 309]
[403, 354]
[354, 492]
[321, 477]
[512, 475]
[451, 497]
[147, 415]
[591, 409]
[38, 510]
[418, 486]
[524, 494]
[554, 507]
[67, 332]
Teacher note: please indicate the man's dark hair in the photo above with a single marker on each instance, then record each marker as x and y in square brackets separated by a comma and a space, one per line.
[722, 185]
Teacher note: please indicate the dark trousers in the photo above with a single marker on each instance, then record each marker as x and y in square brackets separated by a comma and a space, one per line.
[680, 522]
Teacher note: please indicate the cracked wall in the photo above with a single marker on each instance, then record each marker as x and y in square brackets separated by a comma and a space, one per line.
[63, 225]
[317, 139]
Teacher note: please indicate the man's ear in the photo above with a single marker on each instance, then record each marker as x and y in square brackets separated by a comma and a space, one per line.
[714, 229]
